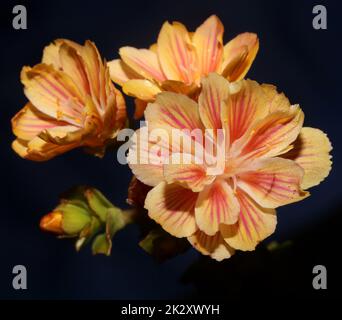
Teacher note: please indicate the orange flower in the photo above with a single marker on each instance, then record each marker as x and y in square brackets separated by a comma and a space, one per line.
[268, 161]
[72, 103]
[179, 59]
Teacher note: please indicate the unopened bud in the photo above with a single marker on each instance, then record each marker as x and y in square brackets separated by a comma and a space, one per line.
[52, 222]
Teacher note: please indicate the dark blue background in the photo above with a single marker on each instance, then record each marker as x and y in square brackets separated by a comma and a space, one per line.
[302, 62]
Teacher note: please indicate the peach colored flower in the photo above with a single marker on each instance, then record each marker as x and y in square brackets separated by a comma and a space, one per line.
[179, 59]
[269, 160]
[72, 103]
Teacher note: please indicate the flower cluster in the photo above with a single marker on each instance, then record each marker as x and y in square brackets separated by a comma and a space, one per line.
[241, 149]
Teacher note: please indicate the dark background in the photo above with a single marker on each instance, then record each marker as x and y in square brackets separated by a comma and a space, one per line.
[303, 62]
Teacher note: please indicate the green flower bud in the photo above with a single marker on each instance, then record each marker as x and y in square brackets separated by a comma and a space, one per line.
[75, 217]
[86, 213]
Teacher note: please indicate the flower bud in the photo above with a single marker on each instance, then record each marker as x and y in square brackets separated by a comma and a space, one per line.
[69, 218]
[76, 217]
[87, 214]
[52, 222]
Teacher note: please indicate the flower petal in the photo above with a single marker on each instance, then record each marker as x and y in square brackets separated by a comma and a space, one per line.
[142, 89]
[20, 147]
[276, 101]
[29, 122]
[234, 64]
[214, 246]
[244, 107]
[190, 90]
[273, 182]
[39, 150]
[96, 74]
[72, 64]
[173, 111]
[63, 135]
[52, 92]
[143, 61]
[120, 72]
[254, 225]
[191, 174]
[176, 53]
[172, 207]
[272, 135]
[51, 52]
[248, 42]
[215, 90]
[216, 205]
[146, 158]
[311, 152]
[120, 106]
[208, 43]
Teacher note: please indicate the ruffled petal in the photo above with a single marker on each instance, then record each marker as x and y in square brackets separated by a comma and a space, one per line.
[72, 64]
[215, 91]
[51, 52]
[39, 150]
[208, 43]
[214, 246]
[144, 62]
[29, 122]
[53, 93]
[20, 147]
[245, 106]
[176, 53]
[272, 135]
[96, 74]
[173, 111]
[273, 182]
[216, 205]
[244, 47]
[187, 172]
[311, 152]
[276, 101]
[147, 157]
[254, 225]
[172, 207]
